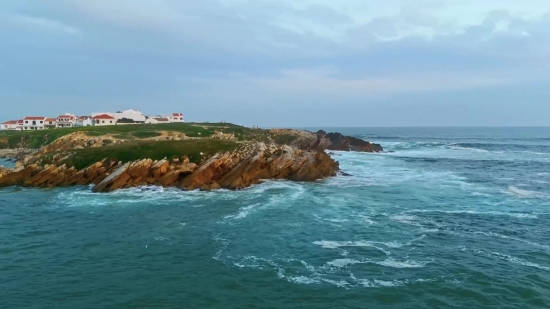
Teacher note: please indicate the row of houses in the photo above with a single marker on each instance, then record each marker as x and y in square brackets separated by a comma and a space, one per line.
[68, 120]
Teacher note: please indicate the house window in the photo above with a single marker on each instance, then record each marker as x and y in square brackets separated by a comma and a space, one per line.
[102, 121]
[41, 121]
[26, 121]
[111, 121]
[25, 128]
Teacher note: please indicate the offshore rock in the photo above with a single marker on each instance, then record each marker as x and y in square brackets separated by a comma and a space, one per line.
[322, 140]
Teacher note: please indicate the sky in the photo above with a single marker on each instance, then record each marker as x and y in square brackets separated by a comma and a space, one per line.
[281, 62]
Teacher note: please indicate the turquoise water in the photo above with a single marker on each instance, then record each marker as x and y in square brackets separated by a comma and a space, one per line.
[453, 218]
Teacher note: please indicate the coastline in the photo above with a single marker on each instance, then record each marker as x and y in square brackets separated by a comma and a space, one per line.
[234, 159]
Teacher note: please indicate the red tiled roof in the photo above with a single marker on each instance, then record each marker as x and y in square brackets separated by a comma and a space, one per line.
[10, 122]
[34, 118]
[19, 121]
[51, 119]
[85, 117]
[103, 116]
[177, 114]
[65, 116]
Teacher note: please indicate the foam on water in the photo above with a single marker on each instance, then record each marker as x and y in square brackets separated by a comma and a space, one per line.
[521, 192]
[403, 264]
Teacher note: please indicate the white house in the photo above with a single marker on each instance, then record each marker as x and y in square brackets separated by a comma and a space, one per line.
[84, 121]
[104, 120]
[157, 120]
[9, 125]
[50, 123]
[33, 123]
[176, 117]
[66, 121]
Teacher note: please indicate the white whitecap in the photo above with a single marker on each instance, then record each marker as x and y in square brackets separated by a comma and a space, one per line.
[521, 192]
[343, 262]
[402, 264]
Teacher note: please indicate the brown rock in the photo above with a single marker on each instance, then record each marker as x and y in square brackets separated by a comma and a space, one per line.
[169, 178]
[106, 184]
[160, 168]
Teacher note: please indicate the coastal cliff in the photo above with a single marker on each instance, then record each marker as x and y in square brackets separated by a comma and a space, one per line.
[234, 159]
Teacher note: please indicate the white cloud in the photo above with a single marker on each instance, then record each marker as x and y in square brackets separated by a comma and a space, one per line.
[40, 23]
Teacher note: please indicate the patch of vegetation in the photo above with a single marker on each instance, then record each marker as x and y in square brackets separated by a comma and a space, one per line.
[155, 150]
[146, 134]
[125, 135]
[284, 139]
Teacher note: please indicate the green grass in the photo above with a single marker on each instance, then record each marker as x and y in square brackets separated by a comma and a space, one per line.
[37, 139]
[145, 134]
[155, 150]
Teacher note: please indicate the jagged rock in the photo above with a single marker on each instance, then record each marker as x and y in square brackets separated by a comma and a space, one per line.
[42, 177]
[231, 170]
[169, 178]
[322, 140]
[160, 168]
[107, 183]
[240, 170]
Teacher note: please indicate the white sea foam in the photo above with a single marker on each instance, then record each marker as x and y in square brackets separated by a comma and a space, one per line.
[491, 234]
[515, 260]
[406, 219]
[374, 244]
[469, 149]
[343, 262]
[475, 212]
[521, 192]
[403, 264]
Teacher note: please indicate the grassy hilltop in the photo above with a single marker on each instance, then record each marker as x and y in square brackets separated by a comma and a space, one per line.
[37, 139]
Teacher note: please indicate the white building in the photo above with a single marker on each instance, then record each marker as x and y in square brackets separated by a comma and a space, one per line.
[66, 121]
[127, 116]
[157, 120]
[84, 121]
[177, 117]
[50, 123]
[104, 120]
[33, 123]
[9, 125]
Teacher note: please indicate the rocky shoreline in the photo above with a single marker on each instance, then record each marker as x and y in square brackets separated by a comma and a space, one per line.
[301, 158]
[232, 170]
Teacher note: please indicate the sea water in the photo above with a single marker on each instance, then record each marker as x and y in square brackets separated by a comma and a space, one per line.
[448, 218]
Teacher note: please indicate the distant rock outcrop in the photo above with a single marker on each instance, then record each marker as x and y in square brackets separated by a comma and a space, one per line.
[322, 140]
[349, 143]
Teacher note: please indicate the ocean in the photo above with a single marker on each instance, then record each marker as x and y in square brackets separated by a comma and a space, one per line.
[448, 218]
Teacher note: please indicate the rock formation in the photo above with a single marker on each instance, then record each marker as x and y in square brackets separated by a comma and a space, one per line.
[349, 143]
[322, 140]
[231, 170]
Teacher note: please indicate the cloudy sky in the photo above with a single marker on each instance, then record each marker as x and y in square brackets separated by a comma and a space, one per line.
[281, 62]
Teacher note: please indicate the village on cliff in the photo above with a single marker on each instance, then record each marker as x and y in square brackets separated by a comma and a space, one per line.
[68, 120]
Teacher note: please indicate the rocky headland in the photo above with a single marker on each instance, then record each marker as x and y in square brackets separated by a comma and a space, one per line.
[234, 158]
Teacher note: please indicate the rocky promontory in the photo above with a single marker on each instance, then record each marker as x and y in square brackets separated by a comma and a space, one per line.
[231, 170]
[230, 160]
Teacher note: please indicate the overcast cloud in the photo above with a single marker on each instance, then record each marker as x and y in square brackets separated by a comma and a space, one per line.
[281, 62]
